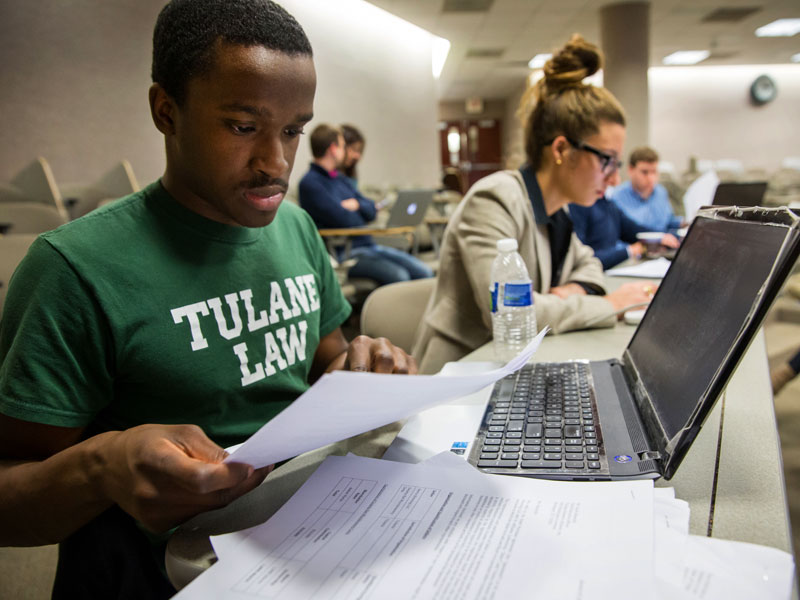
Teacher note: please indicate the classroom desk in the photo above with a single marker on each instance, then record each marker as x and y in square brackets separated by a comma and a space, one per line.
[344, 236]
[732, 477]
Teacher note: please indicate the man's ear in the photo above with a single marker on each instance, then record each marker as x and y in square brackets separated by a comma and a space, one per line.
[162, 109]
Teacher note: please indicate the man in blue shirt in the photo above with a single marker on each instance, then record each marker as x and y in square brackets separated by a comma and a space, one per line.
[610, 232]
[642, 198]
[333, 202]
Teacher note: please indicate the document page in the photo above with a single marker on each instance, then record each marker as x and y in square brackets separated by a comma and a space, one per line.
[343, 404]
[371, 529]
[651, 269]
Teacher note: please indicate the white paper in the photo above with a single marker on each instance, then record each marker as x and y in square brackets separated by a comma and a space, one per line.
[652, 269]
[671, 531]
[717, 569]
[446, 460]
[699, 193]
[371, 529]
[344, 403]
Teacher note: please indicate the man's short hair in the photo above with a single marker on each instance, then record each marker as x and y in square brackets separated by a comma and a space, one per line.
[643, 154]
[322, 137]
[187, 32]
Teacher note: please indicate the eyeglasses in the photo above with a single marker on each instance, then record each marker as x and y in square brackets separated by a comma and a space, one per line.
[608, 162]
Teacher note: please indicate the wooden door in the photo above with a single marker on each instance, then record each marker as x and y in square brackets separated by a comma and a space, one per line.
[471, 148]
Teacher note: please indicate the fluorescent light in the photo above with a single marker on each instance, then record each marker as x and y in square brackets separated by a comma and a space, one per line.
[440, 48]
[795, 58]
[779, 28]
[686, 57]
[537, 62]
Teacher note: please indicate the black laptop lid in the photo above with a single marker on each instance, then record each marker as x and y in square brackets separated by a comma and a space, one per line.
[749, 193]
[707, 309]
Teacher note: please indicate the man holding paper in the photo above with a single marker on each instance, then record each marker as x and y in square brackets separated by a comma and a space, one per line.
[139, 341]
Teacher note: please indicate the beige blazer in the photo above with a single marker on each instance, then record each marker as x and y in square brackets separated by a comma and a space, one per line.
[457, 319]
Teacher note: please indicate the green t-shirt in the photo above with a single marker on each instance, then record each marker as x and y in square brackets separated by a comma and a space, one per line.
[145, 312]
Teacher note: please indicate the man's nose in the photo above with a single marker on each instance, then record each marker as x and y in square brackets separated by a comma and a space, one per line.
[270, 157]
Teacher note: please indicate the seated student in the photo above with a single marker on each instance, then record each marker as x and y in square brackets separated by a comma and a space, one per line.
[574, 136]
[354, 144]
[333, 202]
[610, 233]
[138, 341]
[642, 198]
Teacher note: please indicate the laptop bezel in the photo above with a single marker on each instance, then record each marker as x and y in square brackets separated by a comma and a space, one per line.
[672, 451]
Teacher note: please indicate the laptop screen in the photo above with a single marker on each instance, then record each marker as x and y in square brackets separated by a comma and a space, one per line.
[699, 310]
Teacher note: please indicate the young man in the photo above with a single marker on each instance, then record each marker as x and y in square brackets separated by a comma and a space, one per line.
[203, 299]
[642, 198]
[333, 202]
[610, 232]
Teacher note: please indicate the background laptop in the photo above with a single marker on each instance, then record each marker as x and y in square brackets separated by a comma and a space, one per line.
[410, 208]
[651, 403]
[740, 194]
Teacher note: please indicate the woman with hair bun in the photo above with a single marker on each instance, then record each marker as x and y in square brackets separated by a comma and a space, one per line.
[574, 134]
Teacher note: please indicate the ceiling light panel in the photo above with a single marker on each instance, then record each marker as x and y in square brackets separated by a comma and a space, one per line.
[686, 57]
[780, 28]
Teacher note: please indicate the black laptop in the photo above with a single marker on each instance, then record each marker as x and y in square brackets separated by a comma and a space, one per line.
[636, 416]
[730, 193]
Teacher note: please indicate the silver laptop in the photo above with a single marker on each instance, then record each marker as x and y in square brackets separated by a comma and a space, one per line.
[636, 416]
[410, 207]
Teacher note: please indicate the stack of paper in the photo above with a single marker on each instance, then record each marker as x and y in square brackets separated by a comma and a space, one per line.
[366, 528]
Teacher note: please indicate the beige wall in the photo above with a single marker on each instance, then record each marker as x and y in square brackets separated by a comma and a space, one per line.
[75, 75]
[455, 110]
[706, 112]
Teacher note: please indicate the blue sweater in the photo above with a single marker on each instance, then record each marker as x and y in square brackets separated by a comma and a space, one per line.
[605, 228]
[321, 195]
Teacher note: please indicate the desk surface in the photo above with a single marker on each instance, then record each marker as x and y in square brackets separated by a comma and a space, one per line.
[355, 231]
[732, 476]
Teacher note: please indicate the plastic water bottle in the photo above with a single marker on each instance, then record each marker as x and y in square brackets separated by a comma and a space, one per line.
[513, 315]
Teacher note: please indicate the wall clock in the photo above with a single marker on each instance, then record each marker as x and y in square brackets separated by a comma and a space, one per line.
[763, 90]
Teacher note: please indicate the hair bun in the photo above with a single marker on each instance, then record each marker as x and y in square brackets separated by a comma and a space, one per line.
[577, 60]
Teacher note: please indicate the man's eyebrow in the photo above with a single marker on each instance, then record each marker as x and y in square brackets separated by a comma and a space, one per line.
[244, 108]
[259, 112]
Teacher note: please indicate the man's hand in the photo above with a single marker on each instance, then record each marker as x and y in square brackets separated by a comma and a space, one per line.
[378, 355]
[164, 474]
[567, 290]
[350, 204]
[364, 353]
[670, 241]
[636, 250]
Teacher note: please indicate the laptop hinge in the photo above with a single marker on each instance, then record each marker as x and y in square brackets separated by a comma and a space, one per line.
[650, 455]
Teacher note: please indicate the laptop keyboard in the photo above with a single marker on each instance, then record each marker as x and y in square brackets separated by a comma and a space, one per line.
[542, 420]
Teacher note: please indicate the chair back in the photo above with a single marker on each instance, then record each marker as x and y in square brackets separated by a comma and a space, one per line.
[36, 182]
[395, 311]
[29, 217]
[12, 250]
